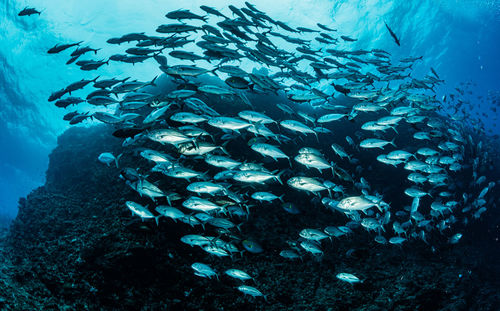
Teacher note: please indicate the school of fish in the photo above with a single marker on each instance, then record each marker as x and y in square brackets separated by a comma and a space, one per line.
[208, 153]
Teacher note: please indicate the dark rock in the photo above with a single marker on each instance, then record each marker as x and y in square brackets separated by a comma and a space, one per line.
[75, 246]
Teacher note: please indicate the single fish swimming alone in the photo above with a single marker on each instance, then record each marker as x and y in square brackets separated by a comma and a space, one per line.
[27, 11]
[393, 35]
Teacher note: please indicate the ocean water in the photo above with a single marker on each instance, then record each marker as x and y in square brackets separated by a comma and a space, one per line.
[457, 38]
[455, 48]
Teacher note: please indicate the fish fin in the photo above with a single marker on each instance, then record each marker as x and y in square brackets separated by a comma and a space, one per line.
[152, 82]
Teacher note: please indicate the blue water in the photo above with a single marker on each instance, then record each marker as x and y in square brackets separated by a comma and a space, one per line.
[459, 39]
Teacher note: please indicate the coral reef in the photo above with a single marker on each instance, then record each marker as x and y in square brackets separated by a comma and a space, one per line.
[75, 246]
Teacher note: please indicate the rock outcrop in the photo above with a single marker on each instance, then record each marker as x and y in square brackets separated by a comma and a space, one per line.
[75, 246]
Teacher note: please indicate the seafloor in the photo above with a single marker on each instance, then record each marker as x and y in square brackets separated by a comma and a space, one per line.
[75, 246]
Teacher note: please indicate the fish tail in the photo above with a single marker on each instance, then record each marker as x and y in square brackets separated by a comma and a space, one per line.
[117, 159]
[278, 176]
[239, 226]
[214, 71]
[332, 167]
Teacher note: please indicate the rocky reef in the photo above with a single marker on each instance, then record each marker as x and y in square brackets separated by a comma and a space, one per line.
[75, 246]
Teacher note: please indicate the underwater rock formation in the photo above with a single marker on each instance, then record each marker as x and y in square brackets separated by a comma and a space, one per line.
[73, 246]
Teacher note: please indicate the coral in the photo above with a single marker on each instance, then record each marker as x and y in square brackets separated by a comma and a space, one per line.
[74, 246]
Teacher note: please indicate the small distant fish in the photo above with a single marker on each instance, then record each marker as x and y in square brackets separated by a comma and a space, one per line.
[252, 246]
[393, 35]
[349, 278]
[397, 240]
[238, 274]
[455, 238]
[349, 39]
[176, 28]
[355, 203]
[184, 14]
[108, 158]
[250, 290]
[82, 50]
[290, 208]
[324, 27]
[203, 270]
[289, 254]
[212, 11]
[312, 247]
[375, 143]
[27, 11]
[61, 47]
[139, 210]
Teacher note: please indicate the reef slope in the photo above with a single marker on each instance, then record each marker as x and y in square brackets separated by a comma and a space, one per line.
[75, 246]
